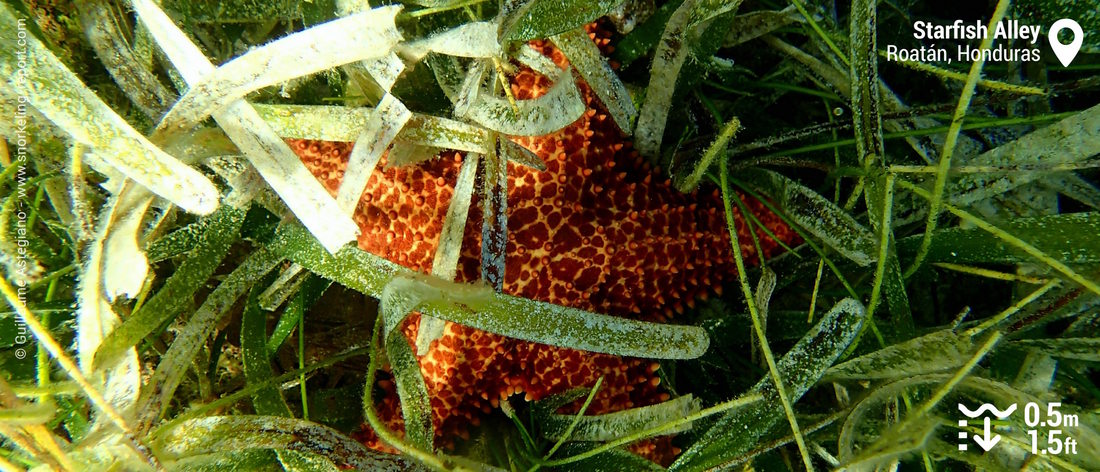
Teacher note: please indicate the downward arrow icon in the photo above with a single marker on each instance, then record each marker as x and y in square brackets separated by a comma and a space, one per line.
[985, 441]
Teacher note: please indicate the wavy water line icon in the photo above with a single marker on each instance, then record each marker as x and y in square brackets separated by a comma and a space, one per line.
[987, 407]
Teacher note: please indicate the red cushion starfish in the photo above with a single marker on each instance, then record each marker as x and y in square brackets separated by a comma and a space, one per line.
[597, 230]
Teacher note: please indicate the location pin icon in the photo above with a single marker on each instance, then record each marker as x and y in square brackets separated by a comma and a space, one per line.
[1066, 52]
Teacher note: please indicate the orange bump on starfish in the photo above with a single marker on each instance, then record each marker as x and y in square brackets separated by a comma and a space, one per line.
[597, 230]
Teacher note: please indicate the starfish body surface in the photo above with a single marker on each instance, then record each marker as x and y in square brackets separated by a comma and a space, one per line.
[598, 230]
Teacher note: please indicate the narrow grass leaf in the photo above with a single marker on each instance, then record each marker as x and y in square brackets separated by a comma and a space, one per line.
[585, 56]
[238, 11]
[27, 414]
[753, 25]
[948, 74]
[286, 284]
[520, 155]
[905, 438]
[560, 106]
[762, 297]
[936, 199]
[838, 82]
[737, 432]
[536, 60]
[124, 264]
[106, 37]
[611, 426]
[1017, 309]
[494, 214]
[879, 195]
[268, 400]
[286, 324]
[59, 95]
[179, 289]
[321, 122]
[425, 458]
[544, 18]
[705, 10]
[230, 399]
[1072, 238]
[1082, 349]
[416, 407]
[736, 403]
[405, 154]
[267, 152]
[294, 461]
[1075, 187]
[933, 352]
[445, 260]
[1011, 239]
[865, 96]
[385, 122]
[363, 35]
[716, 149]
[1066, 302]
[468, 92]
[384, 70]
[569, 327]
[448, 73]
[179, 241]
[549, 405]
[614, 460]
[437, 4]
[866, 109]
[257, 366]
[343, 124]
[821, 217]
[574, 420]
[396, 303]
[249, 459]
[438, 132]
[672, 50]
[216, 434]
[691, 38]
[758, 319]
[310, 290]
[474, 39]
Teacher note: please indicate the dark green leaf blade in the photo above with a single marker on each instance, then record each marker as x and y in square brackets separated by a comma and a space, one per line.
[257, 366]
[738, 432]
[543, 18]
[215, 434]
[821, 217]
[1069, 238]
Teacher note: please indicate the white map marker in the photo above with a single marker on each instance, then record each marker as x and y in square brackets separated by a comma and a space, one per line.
[1066, 52]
